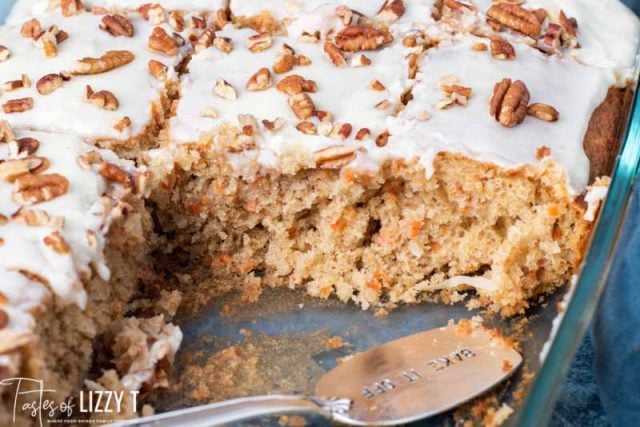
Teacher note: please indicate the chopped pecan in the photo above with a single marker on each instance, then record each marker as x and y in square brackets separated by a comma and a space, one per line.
[410, 41]
[56, 242]
[102, 99]
[49, 83]
[479, 47]
[259, 42]
[6, 133]
[382, 138]
[205, 40]
[158, 70]
[294, 84]
[117, 25]
[360, 60]
[10, 170]
[284, 63]
[209, 112]
[391, 11]
[569, 29]
[508, 103]
[502, 49]
[334, 54]
[37, 218]
[261, 80]
[27, 146]
[307, 37]
[412, 63]
[48, 42]
[71, 7]
[19, 105]
[161, 42]
[543, 112]
[156, 14]
[382, 105]
[302, 105]
[376, 85]
[334, 157]
[113, 173]
[33, 189]
[224, 90]
[307, 128]
[356, 38]
[363, 134]
[273, 125]
[107, 62]
[122, 124]
[223, 44]
[12, 85]
[542, 152]
[5, 53]
[515, 17]
[302, 60]
[341, 131]
[176, 20]
[248, 124]
[31, 29]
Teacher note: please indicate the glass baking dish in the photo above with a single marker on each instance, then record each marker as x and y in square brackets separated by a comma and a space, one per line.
[278, 318]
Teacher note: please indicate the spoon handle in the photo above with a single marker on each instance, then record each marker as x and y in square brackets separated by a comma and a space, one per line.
[242, 409]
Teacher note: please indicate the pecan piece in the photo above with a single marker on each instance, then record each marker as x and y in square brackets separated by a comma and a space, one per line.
[27, 146]
[10, 170]
[302, 105]
[113, 173]
[6, 133]
[284, 63]
[56, 242]
[294, 84]
[223, 44]
[334, 55]
[224, 90]
[107, 62]
[307, 128]
[261, 80]
[19, 105]
[334, 157]
[360, 60]
[515, 17]
[71, 7]
[49, 84]
[176, 20]
[5, 53]
[362, 134]
[543, 112]
[391, 11]
[33, 189]
[117, 25]
[356, 38]
[204, 41]
[508, 103]
[158, 70]
[102, 99]
[569, 27]
[502, 49]
[122, 124]
[273, 125]
[12, 85]
[48, 42]
[31, 29]
[259, 42]
[161, 42]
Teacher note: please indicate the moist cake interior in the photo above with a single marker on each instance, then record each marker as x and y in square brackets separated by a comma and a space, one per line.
[379, 154]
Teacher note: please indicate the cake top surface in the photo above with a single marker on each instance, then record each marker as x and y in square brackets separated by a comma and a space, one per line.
[425, 84]
[59, 196]
[53, 85]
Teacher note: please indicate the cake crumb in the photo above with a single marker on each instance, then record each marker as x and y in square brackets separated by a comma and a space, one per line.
[334, 343]
[292, 421]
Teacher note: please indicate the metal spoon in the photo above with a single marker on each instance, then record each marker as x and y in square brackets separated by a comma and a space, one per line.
[398, 382]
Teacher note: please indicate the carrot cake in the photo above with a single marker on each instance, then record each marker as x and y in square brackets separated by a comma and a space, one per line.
[379, 152]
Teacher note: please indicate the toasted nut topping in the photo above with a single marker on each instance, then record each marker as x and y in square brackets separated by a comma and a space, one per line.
[341, 131]
[382, 139]
[261, 80]
[122, 124]
[155, 14]
[176, 20]
[10, 170]
[334, 157]
[324, 116]
[284, 63]
[198, 23]
[71, 7]
[391, 11]
[356, 38]
[302, 60]
[412, 63]
[509, 101]
[161, 42]
[113, 173]
[444, 104]
[88, 158]
[4, 53]
[259, 42]
[57, 243]
[543, 112]
[479, 47]
[307, 37]
[33, 189]
[12, 85]
[307, 128]
[515, 17]
[48, 42]
[334, 55]
[6, 133]
[17, 105]
[248, 124]
[31, 29]
[209, 112]
[205, 40]
[102, 99]
[49, 84]
[294, 84]
[158, 70]
[223, 44]
[382, 105]
[410, 41]
[224, 90]
[502, 49]
[347, 15]
[275, 125]
[117, 25]
[376, 85]
[107, 62]
[360, 60]
[302, 105]
[37, 218]
[27, 146]
[542, 152]
[569, 27]
[363, 134]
